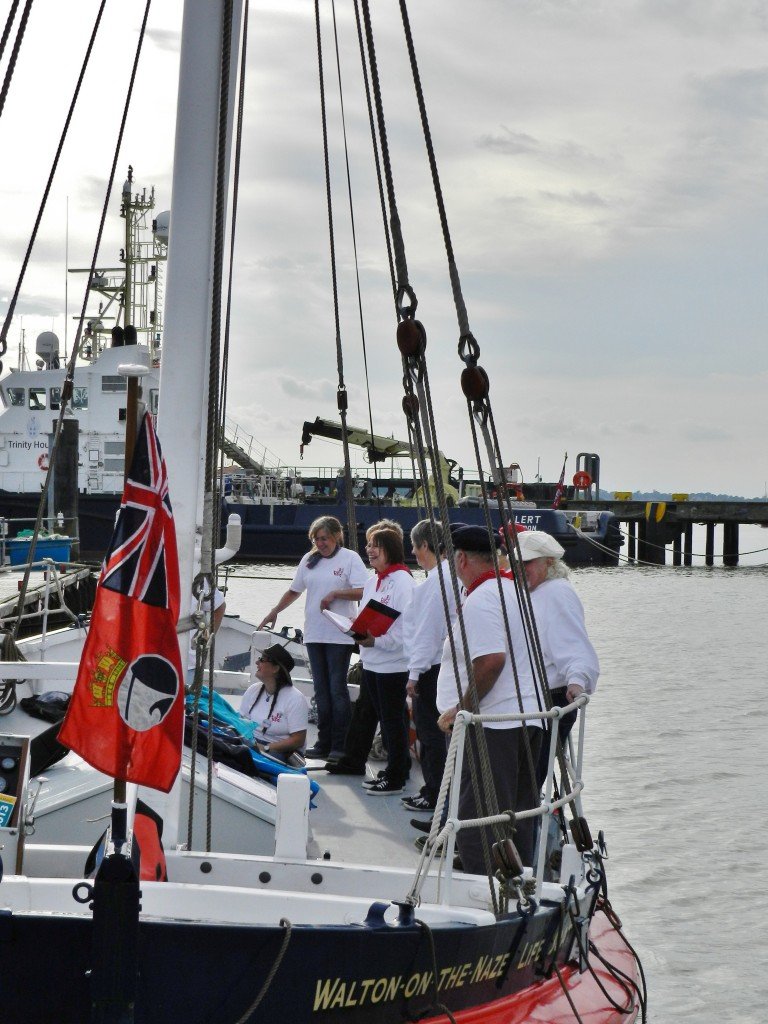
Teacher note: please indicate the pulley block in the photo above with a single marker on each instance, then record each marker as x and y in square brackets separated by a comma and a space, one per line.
[475, 383]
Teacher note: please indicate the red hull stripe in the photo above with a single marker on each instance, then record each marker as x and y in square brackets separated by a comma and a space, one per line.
[546, 1003]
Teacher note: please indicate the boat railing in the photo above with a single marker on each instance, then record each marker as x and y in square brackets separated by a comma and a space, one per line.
[441, 841]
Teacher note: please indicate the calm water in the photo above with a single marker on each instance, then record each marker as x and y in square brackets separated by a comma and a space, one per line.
[676, 771]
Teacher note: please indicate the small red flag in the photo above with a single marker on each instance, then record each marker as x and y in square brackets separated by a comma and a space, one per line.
[126, 715]
[560, 490]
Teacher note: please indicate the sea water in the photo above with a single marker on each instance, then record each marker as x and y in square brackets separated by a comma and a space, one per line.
[676, 768]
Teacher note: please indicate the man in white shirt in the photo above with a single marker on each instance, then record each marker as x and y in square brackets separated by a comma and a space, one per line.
[501, 689]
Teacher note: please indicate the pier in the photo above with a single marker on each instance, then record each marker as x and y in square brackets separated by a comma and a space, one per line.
[652, 525]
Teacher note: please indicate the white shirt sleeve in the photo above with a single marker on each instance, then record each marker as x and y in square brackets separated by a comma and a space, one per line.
[428, 627]
[566, 644]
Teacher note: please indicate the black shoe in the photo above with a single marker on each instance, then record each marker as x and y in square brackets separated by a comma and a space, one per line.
[344, 768]
[421, 826]
[383, 787]
[417, 803]
[317, 753]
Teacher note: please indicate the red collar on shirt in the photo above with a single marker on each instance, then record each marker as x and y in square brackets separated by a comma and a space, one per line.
[490, 575]
[398, 567]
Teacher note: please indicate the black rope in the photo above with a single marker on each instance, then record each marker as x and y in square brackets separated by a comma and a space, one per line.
[14, 52]
[12, 305]
[341, 393]
[401, 267]
[69, 378]
[8, 26]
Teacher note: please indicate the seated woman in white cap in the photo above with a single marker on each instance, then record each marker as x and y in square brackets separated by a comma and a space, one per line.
[569, 657]
[281, 711]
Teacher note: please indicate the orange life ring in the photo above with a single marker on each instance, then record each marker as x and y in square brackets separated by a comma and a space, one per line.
[582, 480]
[42, 461]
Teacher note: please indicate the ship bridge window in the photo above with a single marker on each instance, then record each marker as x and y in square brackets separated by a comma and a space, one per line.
[113, 383]
[153, 398]
[17, 396]
[55, 398]
[80, 398]
[38, 398]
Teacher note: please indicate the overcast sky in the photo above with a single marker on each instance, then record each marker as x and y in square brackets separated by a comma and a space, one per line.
[603, 166]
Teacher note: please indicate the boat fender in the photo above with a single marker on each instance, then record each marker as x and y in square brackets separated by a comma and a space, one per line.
[42, 462]
[506, 859]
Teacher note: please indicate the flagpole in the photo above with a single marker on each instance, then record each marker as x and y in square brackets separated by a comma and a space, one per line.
[133, 372]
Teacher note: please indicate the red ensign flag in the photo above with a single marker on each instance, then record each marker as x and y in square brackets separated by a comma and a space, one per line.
[126, 715]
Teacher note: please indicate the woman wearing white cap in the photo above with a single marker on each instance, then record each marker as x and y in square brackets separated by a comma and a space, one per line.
[569, 657]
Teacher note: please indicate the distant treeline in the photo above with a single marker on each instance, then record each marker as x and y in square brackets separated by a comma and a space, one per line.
[667, 496]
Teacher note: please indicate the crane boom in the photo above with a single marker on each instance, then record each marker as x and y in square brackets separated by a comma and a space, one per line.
[379, 449]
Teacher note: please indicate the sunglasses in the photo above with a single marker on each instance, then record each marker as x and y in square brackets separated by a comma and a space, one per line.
[266, 659]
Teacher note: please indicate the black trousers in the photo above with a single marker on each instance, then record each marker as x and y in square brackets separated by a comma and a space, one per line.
[362, 728]
[430, 736]
[513, 775]
[387, 690]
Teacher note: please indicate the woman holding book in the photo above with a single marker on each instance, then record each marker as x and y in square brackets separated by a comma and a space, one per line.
[385, 666]
[333, 578]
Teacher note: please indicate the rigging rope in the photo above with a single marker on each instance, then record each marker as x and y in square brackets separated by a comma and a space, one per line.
[8, 26]
[411, 339]
[341, 391]
[46, 192]
[66, 391]
[15, 51]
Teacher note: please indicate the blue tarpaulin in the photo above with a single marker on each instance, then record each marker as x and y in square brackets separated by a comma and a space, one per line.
[225, 714]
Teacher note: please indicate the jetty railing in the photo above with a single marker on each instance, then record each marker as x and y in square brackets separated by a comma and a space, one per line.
[441, 839]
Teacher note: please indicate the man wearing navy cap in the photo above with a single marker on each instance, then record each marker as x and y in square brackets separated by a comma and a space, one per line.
[512, 759]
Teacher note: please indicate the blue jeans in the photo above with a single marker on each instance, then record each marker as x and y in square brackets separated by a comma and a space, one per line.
[330, 664]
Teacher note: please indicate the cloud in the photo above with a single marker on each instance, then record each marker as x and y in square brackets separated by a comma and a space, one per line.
[165, 39]
[576, 198]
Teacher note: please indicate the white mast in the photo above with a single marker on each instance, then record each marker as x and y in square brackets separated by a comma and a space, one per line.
[188, 312]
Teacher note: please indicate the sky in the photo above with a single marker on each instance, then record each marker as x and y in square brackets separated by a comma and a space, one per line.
[603, 170]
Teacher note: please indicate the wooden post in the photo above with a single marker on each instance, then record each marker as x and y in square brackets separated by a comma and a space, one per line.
[730, 544]
[709, 550]
[677, 558]
[688, 545]
[632, 532]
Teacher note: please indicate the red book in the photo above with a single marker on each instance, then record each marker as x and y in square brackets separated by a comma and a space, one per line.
[374, 618]
[126, 715]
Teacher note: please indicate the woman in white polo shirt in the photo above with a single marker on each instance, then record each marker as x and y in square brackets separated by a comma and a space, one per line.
[281, 711]
[333, 577]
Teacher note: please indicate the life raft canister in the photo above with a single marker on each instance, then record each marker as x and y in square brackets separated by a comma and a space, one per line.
[581, 480]
[42, 461]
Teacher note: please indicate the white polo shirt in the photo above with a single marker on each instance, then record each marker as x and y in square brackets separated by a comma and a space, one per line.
[344, 570]
[484, 626]
[277, 716]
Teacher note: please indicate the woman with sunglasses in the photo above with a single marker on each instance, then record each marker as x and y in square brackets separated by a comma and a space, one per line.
[333, 577]
[282, 711]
